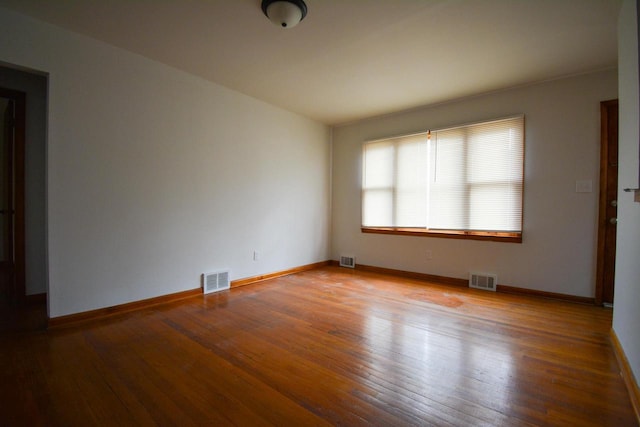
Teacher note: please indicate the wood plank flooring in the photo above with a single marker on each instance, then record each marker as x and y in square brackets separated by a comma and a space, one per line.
[329, 346]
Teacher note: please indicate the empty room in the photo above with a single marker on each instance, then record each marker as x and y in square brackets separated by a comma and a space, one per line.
[319, 212]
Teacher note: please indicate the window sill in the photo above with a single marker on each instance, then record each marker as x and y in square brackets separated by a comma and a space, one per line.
[509, 237]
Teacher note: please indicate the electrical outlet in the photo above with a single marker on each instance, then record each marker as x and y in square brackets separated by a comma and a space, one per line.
[256, 256]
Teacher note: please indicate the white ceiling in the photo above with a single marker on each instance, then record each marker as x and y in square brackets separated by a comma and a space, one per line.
[352, 59]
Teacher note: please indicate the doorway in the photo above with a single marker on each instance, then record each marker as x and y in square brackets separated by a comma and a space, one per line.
[608, 203]
[12, 215]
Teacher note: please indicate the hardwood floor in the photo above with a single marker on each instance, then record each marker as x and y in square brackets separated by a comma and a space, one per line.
[329, 346]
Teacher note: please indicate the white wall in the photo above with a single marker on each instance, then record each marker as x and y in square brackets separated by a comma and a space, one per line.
[558, 252]
[35, 86]
[626, 316]
[156, 176]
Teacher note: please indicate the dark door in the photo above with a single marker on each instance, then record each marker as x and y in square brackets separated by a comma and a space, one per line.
[606, 262]
[12, 113]
[7, 270]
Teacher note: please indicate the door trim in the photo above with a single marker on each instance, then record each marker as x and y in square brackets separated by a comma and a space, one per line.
[602, 204]
[19, 188]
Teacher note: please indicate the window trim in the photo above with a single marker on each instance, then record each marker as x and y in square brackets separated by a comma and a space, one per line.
[494, 236]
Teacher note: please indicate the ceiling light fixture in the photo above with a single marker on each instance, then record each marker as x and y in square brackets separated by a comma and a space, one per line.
[284, 13]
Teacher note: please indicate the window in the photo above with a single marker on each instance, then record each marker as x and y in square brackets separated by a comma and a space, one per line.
[465, 181]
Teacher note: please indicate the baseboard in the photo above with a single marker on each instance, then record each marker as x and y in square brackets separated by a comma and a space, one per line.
[465, 283]
[409, 274]
[61, 321]
[544, 294]
[57, 322]
[626, 373]
[36, 298]
[263, 277]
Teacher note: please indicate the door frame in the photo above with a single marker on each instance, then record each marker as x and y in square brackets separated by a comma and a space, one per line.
[603, 202]
[19, 98]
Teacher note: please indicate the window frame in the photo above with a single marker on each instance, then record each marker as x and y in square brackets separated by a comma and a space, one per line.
[495, 236]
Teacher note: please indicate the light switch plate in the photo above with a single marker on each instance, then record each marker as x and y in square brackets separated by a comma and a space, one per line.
[584, 186]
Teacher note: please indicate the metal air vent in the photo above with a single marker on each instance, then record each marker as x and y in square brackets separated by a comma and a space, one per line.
[347, 261]
[216, 281]
[484, 281]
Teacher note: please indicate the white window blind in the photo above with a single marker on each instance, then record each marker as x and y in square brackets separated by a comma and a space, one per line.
[396, 182]
[462, 178]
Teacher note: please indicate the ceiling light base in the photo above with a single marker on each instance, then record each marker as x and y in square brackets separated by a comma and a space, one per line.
[284, 13]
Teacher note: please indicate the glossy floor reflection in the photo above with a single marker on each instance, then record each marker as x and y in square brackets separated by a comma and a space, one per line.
[326, 347]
